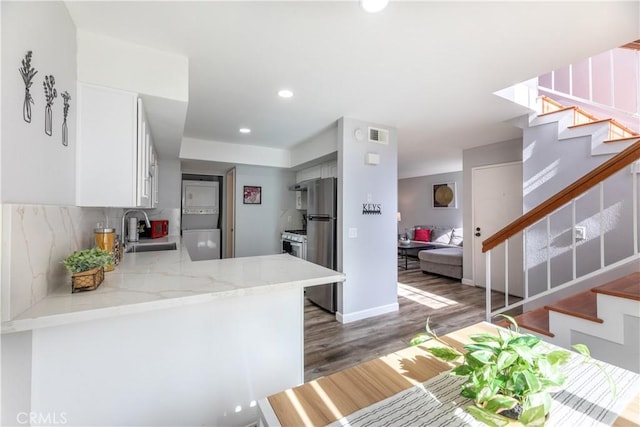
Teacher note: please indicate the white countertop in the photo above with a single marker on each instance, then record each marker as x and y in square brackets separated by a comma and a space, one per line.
[156, 280]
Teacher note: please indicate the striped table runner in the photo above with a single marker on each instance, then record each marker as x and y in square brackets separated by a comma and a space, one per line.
[587, 400]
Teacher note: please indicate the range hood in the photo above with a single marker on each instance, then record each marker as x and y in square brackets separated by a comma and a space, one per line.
[301, 186]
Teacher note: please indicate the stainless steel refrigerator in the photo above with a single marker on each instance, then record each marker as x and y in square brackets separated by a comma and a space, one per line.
[321, 237]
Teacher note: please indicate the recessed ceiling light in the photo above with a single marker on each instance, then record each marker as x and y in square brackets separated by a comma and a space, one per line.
[285, 93]
[245, 130]
[373, 6]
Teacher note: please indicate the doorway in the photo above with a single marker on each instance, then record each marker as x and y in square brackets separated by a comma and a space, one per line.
[230, 219]
[497, 201]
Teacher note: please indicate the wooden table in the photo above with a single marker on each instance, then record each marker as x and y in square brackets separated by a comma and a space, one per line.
[411, 245]
[320, 402]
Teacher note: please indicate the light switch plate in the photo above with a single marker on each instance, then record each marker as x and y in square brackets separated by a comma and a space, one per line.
[581, 233]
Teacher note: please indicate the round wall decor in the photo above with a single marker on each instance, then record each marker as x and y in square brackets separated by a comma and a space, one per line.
[443, 195]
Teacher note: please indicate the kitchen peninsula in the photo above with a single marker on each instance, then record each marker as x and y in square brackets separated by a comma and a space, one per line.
[165, 341]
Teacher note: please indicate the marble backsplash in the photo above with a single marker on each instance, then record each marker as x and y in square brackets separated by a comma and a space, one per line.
[35, 239]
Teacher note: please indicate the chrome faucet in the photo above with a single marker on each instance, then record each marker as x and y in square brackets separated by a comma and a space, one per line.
[124, 230]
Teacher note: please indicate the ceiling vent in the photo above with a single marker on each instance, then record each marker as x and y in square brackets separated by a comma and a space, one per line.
[381, 136]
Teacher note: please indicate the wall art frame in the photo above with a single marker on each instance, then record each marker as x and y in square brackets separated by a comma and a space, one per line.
[445, 196]
[251, 195]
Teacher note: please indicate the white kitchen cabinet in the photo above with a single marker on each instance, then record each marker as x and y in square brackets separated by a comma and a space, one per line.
[113, 153]
[301, 200]
[154, 177]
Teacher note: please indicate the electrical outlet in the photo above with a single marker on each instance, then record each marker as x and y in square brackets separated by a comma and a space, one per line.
[581, 232]
[353, 233]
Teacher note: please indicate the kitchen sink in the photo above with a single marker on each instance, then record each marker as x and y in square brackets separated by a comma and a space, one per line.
[152, 247]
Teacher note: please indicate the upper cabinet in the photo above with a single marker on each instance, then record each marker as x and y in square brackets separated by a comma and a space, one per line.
[115, 153]
[154, 176]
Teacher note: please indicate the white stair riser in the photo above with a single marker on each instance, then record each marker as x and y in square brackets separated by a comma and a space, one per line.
[599, 132]
[564, 119]
[610, 309]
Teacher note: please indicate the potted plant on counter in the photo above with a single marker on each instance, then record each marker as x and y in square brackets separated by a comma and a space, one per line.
[509, 375]
[87, 268]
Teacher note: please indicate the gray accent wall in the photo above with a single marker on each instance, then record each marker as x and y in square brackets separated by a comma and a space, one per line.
[367, 245]
[493, 154]
[550, 165]
[415, 201]
[258, 227]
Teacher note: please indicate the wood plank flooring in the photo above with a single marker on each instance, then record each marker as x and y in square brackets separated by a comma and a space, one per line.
[330, 346]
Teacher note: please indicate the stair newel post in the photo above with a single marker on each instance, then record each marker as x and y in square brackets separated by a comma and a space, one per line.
[601, 189]
[634, 198]
[487, 261]
[506, 273]
[525, 265]
[574, 240]
[548, 218]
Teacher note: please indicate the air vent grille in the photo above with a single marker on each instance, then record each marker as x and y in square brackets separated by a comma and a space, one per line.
[381, 136]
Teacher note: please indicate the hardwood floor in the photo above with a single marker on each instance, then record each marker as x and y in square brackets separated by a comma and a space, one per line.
[330, 346]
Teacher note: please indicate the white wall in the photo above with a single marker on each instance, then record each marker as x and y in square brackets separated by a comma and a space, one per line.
[169, 184]
[37, 168]
[161, 78]
[110, 62]
[258, 227]
[318, 146]
[199, 149]
[368, 259]
[415, 201]
[493, 154]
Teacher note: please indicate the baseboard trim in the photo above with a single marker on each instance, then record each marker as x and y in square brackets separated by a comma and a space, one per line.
[364, 314]
[468, 282]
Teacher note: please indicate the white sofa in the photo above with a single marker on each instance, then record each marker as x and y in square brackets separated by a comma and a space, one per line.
[445, 255]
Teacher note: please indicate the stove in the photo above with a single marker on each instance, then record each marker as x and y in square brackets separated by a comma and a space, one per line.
[295, 235]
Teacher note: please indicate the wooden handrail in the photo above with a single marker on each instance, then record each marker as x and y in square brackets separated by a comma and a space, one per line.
[590, 180]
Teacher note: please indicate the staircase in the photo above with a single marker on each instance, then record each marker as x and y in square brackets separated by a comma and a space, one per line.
[604, 315]
[607, 316]
[581, 252]
[608, 136]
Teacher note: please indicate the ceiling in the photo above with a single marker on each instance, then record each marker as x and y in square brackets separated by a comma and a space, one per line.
[427, 68]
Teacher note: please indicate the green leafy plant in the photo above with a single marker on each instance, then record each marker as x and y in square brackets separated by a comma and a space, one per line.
[508, 374]
[87, 259]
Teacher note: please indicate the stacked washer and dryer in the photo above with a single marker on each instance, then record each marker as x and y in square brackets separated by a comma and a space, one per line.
[201, 218]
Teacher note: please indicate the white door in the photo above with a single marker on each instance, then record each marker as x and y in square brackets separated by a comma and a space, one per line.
[497, 200]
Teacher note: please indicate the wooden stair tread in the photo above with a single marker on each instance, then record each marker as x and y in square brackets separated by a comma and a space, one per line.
[612, 122]
[549, 100]
[626, 138]
[557, 111]
[583, 305]
[591, 123]
[625, 287]
[535, 320]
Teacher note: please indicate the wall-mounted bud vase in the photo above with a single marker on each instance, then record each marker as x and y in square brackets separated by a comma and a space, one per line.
[50, 93]
[65, 132]
[27, 72]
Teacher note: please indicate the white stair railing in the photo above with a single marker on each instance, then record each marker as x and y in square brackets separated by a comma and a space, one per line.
[577, 190]
[582, 83]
